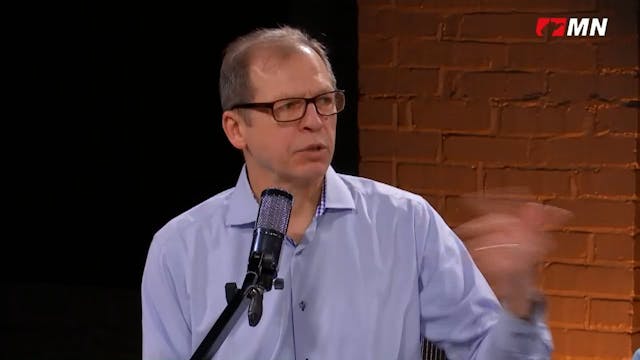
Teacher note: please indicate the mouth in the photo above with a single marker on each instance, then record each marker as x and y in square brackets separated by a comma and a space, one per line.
[314, 147]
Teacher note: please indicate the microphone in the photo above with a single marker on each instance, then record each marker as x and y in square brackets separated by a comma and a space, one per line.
[262, 271]
[268, 234]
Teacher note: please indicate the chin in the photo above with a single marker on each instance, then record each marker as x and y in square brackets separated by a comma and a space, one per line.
[311, 171]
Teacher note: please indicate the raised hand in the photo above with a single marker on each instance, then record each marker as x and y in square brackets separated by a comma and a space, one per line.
[507, 241]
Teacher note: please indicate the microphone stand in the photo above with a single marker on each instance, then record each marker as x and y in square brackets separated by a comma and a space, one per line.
[261, 275]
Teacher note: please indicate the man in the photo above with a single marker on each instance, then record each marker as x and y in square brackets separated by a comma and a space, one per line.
[368, 269]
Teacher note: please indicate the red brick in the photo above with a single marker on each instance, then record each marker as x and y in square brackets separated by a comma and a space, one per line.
[613, 315]
[377, 112]
[451, 26]
[448, 84]
[566, 86]
[567, 310]
[417, 81]
[417, 145]
[501, 5]
[499, 26]
[451, 115]
[598, 213]
[620, 6]
[563, 86]
[456, 211]
[377, 80]
[373, 20]
[400, 21]
[618, 86]
[625, 14]
[404, 112]
[409, 3]
[613, 247]
[434, 53]
[585, 344]
[636, 316]
[636, 244]
[375, 51]
[618, 54]
[618, 120]
[414, 22]
[424, 177]
[499, 84]
[380, 171]
[566, 56]
[473, 149]
[537, 121]
[408, 81]
[608, 181]
[588, 279]
[436, 201]
[403, 144]
[539, 182]
[364, 3]
[569, 246]
[581, 151]
[376, 143]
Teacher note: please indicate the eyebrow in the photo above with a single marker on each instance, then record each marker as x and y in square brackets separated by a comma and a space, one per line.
[282, 96]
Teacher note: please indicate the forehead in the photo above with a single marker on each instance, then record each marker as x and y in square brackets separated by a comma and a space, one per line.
[291, 71]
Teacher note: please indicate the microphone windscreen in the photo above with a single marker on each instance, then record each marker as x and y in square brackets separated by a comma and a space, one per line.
[275, 209]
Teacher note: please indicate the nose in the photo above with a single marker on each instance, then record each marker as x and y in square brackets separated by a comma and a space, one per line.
[311, 119]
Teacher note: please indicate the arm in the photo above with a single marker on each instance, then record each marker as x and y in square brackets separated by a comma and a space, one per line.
[459, 311]
[166, 332]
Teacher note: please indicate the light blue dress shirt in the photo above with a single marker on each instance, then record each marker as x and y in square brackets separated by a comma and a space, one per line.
[375, 272]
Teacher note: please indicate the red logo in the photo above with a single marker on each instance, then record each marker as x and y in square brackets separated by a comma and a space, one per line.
[555, 26]
[571, 27]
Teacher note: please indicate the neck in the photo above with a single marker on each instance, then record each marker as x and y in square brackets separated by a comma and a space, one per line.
[306, 194]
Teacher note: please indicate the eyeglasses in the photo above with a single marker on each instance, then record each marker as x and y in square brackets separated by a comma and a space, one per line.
[292, 109]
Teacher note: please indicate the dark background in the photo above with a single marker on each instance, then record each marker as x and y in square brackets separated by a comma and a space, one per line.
[113, 128]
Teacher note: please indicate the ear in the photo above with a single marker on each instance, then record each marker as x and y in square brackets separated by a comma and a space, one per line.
[234, 128]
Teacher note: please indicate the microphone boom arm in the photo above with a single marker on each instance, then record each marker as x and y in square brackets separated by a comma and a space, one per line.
[226, 321]
[262, 272]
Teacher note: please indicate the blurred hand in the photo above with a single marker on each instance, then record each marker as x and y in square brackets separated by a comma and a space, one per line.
[507, 241]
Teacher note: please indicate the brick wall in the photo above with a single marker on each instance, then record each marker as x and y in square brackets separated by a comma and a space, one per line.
[461, 96]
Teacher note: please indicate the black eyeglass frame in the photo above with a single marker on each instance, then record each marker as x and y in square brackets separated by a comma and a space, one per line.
[269, 105]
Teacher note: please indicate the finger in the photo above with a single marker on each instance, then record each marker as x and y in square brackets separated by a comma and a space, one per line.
[486, 224]
[530, 243]
[501, 200]
[544, 217]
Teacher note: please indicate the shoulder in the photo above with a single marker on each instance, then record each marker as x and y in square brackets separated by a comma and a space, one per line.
[187, 224]
[373, 192]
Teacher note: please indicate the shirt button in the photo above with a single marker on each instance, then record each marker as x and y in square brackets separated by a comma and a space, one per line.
[302, 305]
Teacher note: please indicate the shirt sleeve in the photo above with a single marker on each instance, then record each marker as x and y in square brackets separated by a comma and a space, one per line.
[166, 332]
[459, 311]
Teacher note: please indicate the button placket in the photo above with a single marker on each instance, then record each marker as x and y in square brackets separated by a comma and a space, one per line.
[299, 291]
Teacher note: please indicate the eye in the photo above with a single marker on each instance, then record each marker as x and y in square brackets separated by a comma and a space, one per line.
[325, 100]
[287, 104]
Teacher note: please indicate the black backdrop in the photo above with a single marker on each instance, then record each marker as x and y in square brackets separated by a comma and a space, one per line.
[114, 128]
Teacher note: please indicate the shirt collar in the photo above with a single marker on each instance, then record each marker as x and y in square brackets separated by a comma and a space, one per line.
[243, 207]
[337, 195]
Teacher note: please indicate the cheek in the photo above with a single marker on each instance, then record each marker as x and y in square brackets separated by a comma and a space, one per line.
[331, 129]
[272, 143]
